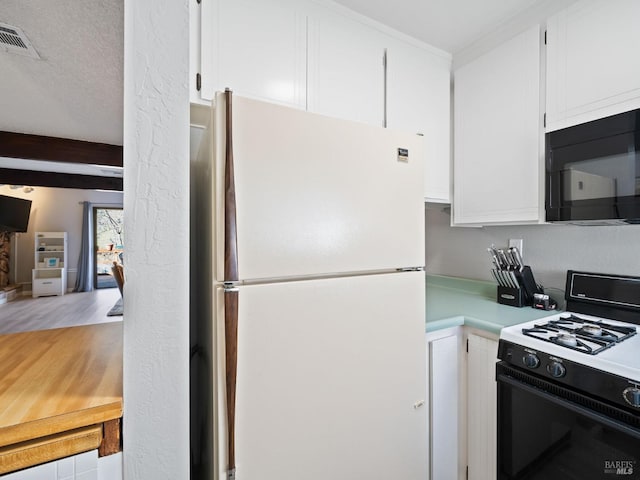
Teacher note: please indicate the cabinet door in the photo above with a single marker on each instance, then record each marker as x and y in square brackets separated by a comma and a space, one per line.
[419, 100]
[593, 67]
[444, 391]
[256, 48]
[481, 407]
[498, 176]
[346, 71]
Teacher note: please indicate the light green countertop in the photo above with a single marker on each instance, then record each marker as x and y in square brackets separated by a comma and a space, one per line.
[457, 301]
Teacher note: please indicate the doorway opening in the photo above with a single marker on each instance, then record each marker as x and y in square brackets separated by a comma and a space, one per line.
[108, 237]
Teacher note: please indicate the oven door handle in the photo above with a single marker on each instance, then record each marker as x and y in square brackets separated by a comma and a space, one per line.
[563, 402]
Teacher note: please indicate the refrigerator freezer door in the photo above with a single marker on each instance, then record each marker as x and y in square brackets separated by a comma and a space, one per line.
[318, 195]
[331, 380]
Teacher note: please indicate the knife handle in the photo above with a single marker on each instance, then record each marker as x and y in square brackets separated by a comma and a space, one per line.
[515, 253]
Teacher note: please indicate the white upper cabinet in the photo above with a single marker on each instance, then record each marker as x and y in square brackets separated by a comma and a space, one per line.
[255, 48]
[346, 70]
[593, 66]
[317, 56]
[498, 154]
[419, 101]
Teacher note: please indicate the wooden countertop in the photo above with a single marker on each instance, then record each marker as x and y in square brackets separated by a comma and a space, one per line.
[57, 386]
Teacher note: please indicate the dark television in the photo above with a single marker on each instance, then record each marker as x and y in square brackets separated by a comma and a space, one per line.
[14, 214]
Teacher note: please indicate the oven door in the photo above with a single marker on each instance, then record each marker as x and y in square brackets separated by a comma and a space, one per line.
[546, 432]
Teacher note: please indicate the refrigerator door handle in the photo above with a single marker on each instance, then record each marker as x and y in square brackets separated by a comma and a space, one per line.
[231, 356]
[230, 223]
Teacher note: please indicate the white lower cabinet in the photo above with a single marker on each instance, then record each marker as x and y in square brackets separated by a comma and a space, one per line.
[83, 466]
[482, 354]
[462, 404]
[443, 367]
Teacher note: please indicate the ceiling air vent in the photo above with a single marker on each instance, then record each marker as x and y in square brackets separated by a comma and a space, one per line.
[13, 40]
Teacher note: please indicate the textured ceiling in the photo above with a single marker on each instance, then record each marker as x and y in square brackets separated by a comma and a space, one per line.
[75, 89]
[449, 25]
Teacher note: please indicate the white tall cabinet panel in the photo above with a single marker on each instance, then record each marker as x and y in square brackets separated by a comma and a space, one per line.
[498, 175]
[418, 100]
[443, 364]
[346, 71]
[593, 66]
[256, 48]
[482, 406]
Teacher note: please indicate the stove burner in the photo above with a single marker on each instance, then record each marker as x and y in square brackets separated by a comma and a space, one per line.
[594, 330]
[587, 336]
[566, 339]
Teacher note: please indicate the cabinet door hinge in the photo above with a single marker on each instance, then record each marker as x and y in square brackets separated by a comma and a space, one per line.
[467, 352]
[467, 472]
[545, 37]
[544, 120]
[198, 81]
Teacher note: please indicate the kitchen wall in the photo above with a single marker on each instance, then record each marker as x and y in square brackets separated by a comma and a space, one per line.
[550, 250]
[156, 201]
[53, 210]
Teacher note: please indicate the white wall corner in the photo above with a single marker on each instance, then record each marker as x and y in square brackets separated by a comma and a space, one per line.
[156, 203]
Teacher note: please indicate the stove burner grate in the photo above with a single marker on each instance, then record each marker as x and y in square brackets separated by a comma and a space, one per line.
[591, 337]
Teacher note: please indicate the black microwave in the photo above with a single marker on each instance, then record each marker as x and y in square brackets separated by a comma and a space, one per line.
[593, 172]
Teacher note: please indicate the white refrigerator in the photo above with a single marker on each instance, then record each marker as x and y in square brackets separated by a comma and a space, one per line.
[313, 273]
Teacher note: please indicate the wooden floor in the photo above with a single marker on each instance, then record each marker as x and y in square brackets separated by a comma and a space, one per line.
[79, 308]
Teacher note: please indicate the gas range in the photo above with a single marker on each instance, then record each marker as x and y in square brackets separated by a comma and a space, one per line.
[601, 343]
[595, 343]
[568, 386]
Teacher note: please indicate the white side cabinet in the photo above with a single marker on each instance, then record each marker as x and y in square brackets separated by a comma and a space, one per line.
[481, 402]
[498, 154]
[256, 48]
[419, 100]
[444, 369]
[49, 275]
[593, 66]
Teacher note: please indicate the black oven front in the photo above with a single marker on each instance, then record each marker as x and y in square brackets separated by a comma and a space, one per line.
[548, 431]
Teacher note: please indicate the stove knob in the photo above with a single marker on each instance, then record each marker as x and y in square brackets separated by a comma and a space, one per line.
[556, 369]
[531, 360]
[632, 396]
